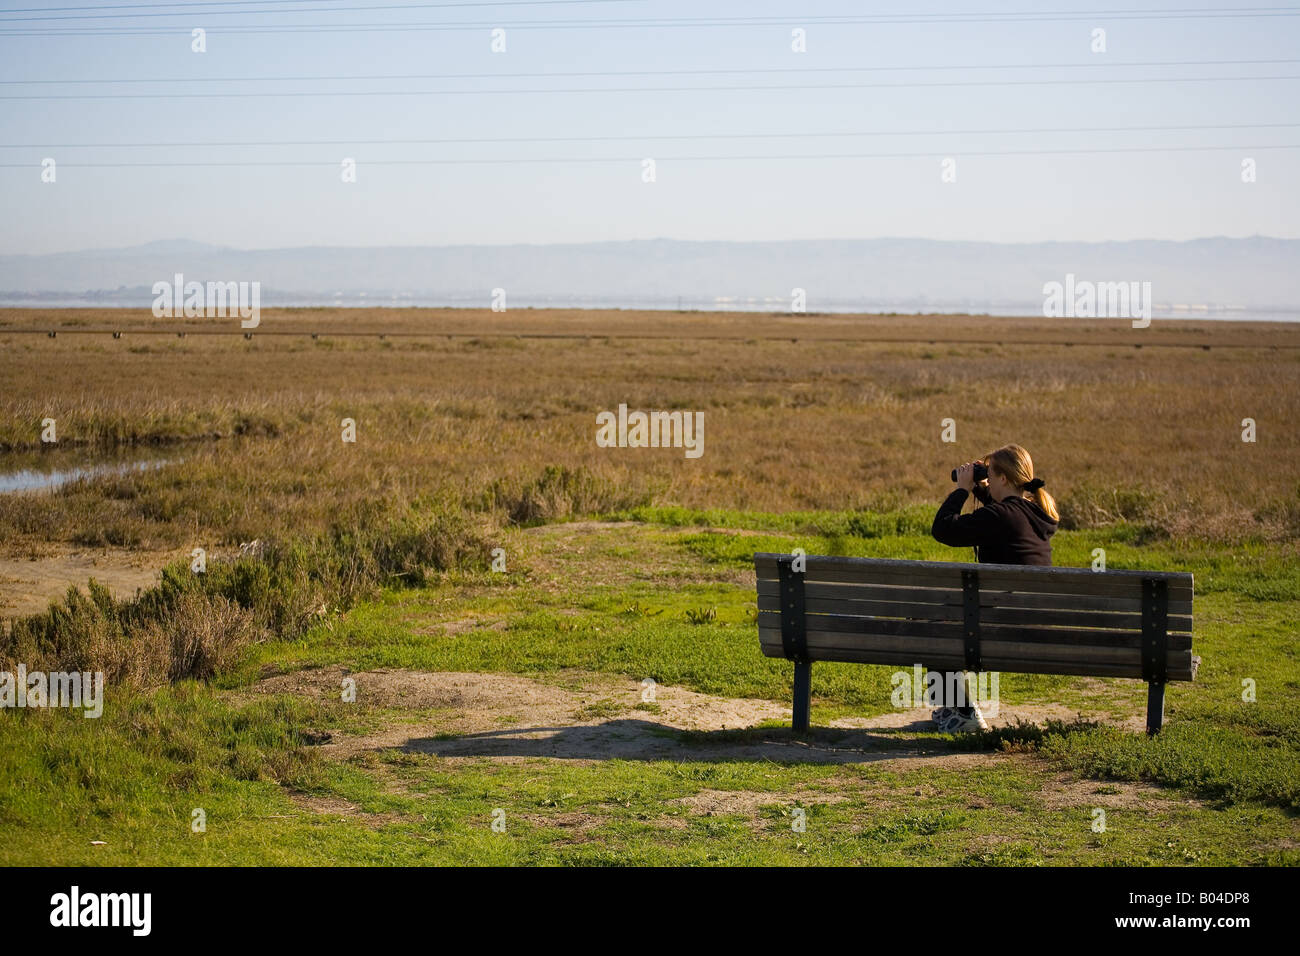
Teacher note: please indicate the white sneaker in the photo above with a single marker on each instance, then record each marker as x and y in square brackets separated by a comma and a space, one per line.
[955, 722]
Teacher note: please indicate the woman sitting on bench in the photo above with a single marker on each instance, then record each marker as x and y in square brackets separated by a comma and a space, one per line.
[1013, 524]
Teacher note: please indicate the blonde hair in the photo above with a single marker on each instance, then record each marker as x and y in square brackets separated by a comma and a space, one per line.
[1014, 464]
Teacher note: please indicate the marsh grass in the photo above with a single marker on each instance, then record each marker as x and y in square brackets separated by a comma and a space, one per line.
[194, 625]
[506, 425]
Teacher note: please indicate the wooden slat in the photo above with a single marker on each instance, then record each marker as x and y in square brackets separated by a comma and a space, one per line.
[1091, 583]
[1078, 581]
[862, 655]
[1021, 617]
[1074, 602]
[911, 609]
[1127, 656]
[1049, 580]
[926, 647]
[988, 598]
[1053, 617]
[1179, 671]
[871, 625]
[874, 592]
[1096, 637]
[1012, 658]
[919, 573]
[912, 568]
[947, 643]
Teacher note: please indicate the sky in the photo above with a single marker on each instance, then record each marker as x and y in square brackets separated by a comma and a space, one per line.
[560, 158]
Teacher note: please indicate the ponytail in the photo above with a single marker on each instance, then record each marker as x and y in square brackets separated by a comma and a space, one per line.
[1046, 502]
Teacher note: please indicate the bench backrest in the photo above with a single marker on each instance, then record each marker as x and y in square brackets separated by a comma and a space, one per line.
[993, 617]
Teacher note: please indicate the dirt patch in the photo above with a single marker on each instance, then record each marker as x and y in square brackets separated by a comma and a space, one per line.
[452, 628]
[719, 802]
[575, 825]
[565, 527]
[333, 806]
[577, 715]
[1064, 791]
[29, 584]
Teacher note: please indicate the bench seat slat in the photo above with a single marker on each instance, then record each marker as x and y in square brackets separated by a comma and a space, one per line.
[1022, 617]
[1097, 583]
[863, 568]
[946, 654]
[814, 590]
[995, 577]
[952, 630]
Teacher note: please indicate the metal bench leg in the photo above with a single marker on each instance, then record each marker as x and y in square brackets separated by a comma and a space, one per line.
[802, 694]
[1155, 706]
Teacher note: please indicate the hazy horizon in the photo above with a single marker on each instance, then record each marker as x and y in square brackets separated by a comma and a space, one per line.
[186, 240]
[1257, 277]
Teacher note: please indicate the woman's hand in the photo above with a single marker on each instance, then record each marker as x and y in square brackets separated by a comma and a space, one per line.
[966, 476]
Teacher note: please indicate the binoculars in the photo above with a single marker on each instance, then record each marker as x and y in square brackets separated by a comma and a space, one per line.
[981, 471]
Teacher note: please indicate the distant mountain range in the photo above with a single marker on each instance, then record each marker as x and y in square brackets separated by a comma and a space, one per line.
[1257, 277]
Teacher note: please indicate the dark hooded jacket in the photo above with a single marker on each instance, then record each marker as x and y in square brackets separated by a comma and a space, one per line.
[1011, 531]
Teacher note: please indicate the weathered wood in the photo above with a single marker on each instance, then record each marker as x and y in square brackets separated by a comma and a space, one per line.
[1073, 602]
[1095, 636]
[873, 625]
[936, 660]
[821, 643]
[1055, 617]
[907, 568]
[900, 647]
[868, 592]
[992, 576]
[908, 609]
[844, 591]
[1024, 617]
[1092, 584]
[1099, 637]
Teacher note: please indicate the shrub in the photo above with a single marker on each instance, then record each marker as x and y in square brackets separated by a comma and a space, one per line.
[197, 625]
[560, 492]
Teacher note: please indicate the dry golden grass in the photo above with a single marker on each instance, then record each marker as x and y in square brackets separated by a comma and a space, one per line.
[807, 412]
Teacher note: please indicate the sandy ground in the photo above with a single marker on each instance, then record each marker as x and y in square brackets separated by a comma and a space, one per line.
[589, 716]
[28, 584]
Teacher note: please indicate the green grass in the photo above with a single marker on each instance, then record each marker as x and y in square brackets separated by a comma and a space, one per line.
[134, 778]
[619, 601]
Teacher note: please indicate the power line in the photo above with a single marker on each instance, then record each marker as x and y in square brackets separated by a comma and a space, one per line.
[636, 89]
[636, 138]
[136, 6]
[687, 72]
[574, 160]
[909, 17]
[645, 23]
[235, 13]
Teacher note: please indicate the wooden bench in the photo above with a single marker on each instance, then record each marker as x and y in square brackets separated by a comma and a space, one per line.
[976, 617]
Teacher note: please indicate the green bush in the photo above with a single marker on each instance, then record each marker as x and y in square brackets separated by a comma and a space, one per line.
[195, 625]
